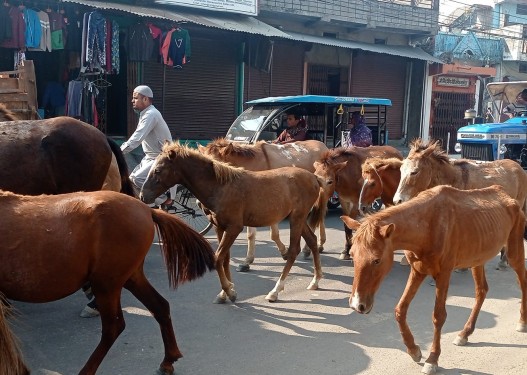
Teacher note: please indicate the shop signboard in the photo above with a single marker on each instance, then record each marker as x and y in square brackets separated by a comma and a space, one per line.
[248, 7]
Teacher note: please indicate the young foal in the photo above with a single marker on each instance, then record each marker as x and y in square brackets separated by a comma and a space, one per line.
[53, 244]
[340, 169]
[262, 156]
[436, 250]
[381, 178]
[237, 198]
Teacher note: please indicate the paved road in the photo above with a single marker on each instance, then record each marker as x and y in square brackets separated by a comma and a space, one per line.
[305, 332]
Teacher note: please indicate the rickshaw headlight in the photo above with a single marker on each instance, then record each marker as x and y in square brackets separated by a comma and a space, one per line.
[457, 147]
[503, 149]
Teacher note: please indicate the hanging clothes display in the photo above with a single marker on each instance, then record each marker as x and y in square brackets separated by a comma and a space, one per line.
[100, 43]
[33, 29]
[179, 50]
[17, 38]
[140, 43]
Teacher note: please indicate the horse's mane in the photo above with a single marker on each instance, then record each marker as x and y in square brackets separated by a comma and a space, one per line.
[224, 172]
[418, 146]
[7, 114]
[333, 155]
[376, 162]
[218, 147]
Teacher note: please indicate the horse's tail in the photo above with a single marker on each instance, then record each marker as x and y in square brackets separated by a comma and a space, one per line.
[187, 253]
[11, 362]
[318, 212]
[127, 186]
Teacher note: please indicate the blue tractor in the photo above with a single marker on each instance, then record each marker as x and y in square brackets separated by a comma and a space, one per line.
[498, 140]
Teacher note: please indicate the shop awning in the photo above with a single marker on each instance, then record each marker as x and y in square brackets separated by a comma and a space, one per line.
[231, 21]
[404, 51]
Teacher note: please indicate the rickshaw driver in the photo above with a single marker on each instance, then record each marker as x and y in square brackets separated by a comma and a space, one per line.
[296, 130]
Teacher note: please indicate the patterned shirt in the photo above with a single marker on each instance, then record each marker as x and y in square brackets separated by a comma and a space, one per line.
[359, 136]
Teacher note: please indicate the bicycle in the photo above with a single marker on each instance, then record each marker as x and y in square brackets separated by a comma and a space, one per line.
[185, 205]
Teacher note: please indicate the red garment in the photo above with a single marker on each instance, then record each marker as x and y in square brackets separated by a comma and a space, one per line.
[164, 48]
[18, 26]
[154, 30]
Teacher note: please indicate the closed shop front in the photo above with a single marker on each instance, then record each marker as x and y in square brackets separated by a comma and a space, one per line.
[382, 76]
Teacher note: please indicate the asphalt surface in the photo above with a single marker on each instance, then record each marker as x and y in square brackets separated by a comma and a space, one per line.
[305, 332]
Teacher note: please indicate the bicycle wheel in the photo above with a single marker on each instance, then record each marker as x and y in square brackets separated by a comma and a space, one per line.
[187, 209]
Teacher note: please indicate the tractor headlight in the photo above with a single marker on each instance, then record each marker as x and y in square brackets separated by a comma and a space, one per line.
[457, 147]
[503, 149]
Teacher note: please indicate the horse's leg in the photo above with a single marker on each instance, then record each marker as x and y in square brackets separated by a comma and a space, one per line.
[222, 265]
[401, 310]
[311, 240]
[296, 227]
[516, 257]
[275, 236]
[251, 247]
[349, 210]
[109, 304]
[141, 288]
[438, 317]
[481, 288]
[322, 236]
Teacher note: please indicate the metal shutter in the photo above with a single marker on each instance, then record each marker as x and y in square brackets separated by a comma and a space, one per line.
[199, 99]
[381, 76]
[287, 73]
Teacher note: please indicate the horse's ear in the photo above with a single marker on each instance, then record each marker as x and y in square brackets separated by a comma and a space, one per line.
[229, 148]
[201, 148]
[349, 222]
[317, 164]
[387, 230]
[340, 166]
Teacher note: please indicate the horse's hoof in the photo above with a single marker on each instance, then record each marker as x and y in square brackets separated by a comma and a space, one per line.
[219, 300]
[307, 253]
[313, 285]
[460, 341]
[404, 261]
[160, 371]
[233, 295]
[416, 357]
[344, 256]
[320, 249]
[429, 368]
[284, 256]
[502, 265]
[272, 297]
[244, 267]
[521, 327]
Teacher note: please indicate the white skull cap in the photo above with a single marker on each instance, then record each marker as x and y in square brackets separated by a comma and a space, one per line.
[144, 90]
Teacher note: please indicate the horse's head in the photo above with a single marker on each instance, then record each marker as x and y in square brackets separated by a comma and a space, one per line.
[163, 174]
[372, 257]
[372, 186]
[418, 169]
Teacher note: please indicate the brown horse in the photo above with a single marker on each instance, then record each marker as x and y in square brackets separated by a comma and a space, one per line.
[495, 220]
[427, 165]
[98, 237]
[262, 156]
[59, 155]
[381, 178]
[340, 169]
[236, 197]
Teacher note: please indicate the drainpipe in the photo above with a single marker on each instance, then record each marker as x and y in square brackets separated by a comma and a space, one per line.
[409, 71]
[241, 80]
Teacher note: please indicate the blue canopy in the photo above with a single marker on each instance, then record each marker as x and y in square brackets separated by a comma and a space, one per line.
[322, 99]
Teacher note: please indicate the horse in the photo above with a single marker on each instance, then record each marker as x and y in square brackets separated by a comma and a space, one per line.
[6, 114]
[381, 178]
[262, 156]
[99, 237]
[59, 155]
[496, 220]
[340, 169]
[428, 165]
[235, 198]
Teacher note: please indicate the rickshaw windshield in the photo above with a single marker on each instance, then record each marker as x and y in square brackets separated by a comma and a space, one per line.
[248, 124]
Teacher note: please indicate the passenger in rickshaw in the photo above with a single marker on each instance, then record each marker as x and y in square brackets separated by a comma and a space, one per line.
[296, 129]
[359, 134]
